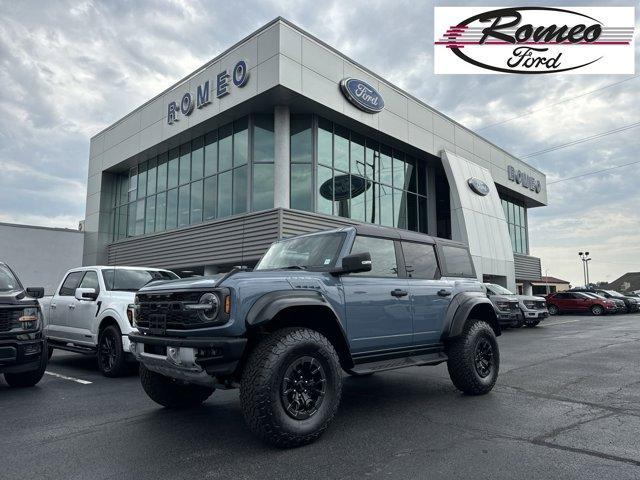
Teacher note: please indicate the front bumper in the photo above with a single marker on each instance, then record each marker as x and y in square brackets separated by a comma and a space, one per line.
[193, 360]
[18, 356]
[536, 314]
[510, 318]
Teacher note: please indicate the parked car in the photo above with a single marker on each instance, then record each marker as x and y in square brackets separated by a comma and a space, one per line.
[563, 302]
[506, 305]
[620, 305]
[23, 358]
[359, 298]
[532, 309]
[632, 304]
[88, 312]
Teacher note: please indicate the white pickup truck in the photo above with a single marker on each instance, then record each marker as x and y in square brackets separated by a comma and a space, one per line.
[88, 312]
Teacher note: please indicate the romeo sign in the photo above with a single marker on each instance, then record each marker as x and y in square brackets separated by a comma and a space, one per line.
[239, 77]
[534, 40]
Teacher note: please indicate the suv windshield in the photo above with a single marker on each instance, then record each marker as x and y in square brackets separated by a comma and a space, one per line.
[312, 251]
[613, 293]
[498, 290]
[121, 279]
[8, 280]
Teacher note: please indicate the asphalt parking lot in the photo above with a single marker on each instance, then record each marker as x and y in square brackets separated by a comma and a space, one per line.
[567, 405]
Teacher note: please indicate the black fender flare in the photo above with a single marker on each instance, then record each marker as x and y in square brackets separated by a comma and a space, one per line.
[270, 304]
[461, 307]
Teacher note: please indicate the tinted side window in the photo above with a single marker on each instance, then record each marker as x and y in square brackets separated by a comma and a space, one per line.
[71, 283]
[420, 260]
[457, 261]
[90, 280]
[383, 256]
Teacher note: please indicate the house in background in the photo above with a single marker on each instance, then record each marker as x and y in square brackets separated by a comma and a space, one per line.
[548, 285]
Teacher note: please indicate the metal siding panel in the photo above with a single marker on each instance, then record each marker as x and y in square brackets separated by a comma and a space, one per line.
[527, 267]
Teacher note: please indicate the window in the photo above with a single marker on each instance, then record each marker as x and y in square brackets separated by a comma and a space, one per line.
[318, 251]
[457, 261]
[359, 178]
[262, 186]
[301, 178]
[420, 260]
[301, 181]
[210, 197]
[90, 280]
[197, 158]
[515, 215]
[150, 215]
[70, 284]
[383, 256]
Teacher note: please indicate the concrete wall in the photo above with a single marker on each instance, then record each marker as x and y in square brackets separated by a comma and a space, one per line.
[38, 255]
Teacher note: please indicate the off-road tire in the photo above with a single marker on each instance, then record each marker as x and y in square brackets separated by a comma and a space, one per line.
[263, 384]
[172, 393]
[462, 358]
[597, 310]
[532, 323]
[27, 379]
[118, 366]
[553, 310]
[519, 323]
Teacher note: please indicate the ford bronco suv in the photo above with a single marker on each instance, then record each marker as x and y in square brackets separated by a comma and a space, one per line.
[23, 352]
[361, 298]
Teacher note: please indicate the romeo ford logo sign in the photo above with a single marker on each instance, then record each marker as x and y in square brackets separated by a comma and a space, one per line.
[239, 77]
[343, 187]
[362, 95]
[478, 186]
[523, 179]
[534, 40]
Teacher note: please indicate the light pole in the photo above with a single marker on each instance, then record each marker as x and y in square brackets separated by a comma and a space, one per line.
[584, 256]
[546, 279]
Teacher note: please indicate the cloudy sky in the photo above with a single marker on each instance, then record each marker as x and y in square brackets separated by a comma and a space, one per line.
[70, 68]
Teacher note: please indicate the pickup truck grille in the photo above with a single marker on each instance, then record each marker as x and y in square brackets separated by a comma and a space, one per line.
[514, 306]
[169, 306]
[540, 305]
[8, 318]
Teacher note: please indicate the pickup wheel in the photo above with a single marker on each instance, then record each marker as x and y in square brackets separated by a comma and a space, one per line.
[474, 359]
[111, 357]
[172, 393]
[532, 323]
[27, 379]
[291, 387]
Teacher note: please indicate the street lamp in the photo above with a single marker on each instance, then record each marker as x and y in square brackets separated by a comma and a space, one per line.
[584, 256]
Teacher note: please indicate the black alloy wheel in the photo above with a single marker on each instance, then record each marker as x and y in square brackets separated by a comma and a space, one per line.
[107, 352]
[303, 388]
[111, 356]
[484, 358]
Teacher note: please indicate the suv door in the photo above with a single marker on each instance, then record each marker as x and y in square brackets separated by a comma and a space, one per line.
[81, 317]
[377, 303]
[62, 303]
[430, 296]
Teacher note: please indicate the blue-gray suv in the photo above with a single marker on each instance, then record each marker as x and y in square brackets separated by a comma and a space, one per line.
[360, 299]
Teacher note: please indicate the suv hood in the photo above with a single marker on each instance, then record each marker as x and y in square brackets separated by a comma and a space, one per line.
[17, 298]
[183, 284]
[504, 298]
[530, 298]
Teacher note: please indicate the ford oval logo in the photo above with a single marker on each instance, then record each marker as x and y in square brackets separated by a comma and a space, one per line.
[478, 186]
[343, 187]
[362, 95]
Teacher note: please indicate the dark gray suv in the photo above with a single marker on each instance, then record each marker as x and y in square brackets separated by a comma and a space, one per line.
[359, 299]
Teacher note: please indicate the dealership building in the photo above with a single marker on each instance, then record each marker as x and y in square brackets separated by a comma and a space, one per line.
[282, 134]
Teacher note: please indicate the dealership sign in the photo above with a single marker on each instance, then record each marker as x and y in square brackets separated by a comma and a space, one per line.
[220, 86]
[343, 187]
[362, 95]
[534, 40]
[478, 186]
[521, 178]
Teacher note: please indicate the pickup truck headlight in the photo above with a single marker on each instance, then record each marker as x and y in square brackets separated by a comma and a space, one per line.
[30, 319]
[132, 309]
[529, 304]
[503, 305]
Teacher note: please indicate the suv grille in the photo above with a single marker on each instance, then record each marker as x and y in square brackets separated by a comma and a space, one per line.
[541, 305]
[8, 318]
[153, 307]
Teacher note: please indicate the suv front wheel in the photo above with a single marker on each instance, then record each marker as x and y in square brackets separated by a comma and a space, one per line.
[474, 358]
[291, 387]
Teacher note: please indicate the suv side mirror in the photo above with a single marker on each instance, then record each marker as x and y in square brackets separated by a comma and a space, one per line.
[35, 292]
[86, 294]
[357, 262]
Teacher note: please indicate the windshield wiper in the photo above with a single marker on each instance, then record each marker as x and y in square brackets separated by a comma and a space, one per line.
[294, 267]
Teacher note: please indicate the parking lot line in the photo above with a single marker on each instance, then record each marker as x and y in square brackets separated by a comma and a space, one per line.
[64, 377]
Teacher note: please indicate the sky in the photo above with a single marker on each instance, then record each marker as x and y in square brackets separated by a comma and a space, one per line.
[68, 69]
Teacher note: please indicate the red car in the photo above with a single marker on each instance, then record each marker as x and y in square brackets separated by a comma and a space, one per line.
[562, 302]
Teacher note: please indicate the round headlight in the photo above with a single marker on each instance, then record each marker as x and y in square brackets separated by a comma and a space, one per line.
[213, 304]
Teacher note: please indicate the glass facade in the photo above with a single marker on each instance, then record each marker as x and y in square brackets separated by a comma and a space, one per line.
[340, 172]
[228, 171]
[516, 214]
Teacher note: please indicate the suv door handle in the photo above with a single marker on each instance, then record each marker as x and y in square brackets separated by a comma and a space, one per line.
[444, 292]
[399, 293]
[72, 306]
[53, 305]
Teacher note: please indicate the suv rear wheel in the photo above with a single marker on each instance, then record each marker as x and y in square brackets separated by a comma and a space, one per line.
[553, 310]
[291, 387]
[172, 393]
[474, 358]
[597, 310]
